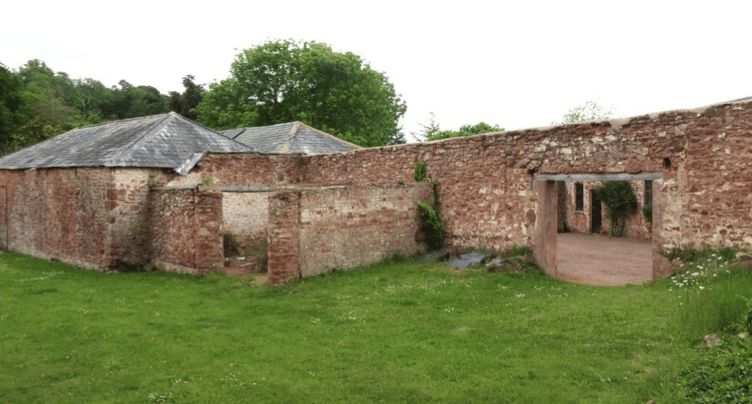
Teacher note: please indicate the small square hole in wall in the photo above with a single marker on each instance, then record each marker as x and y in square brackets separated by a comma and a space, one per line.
[666, 162]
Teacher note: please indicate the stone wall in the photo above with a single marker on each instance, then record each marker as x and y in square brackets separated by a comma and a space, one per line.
[242, 169]
[96, 217]
[581, 220]
[485, 181]
[348, 227]
[284, 236]
[57, 214]
[246, 215]
[185, 232]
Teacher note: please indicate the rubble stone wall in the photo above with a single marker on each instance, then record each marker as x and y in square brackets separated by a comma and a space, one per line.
[57, 214]
[485, 181]
[185, 230]
[242, 169]
[581, 220]
[246, 215]
[284, 236]
[348, 227]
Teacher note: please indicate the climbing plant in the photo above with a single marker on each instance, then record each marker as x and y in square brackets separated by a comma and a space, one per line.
[431, 225]
[420, 171]
[620, 202]
[430, 220]
[647, 212]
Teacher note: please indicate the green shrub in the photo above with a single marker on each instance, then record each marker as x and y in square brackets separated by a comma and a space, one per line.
[420, 171]
[692, 254]
[231, 245]
[259, 253]
[620, 202]
[721, 375]
[431, 225]
[647, 212]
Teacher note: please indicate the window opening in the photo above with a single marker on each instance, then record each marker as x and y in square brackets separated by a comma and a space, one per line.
[579, 193]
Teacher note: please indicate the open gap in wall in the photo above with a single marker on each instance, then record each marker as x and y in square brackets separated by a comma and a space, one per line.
[582, 246]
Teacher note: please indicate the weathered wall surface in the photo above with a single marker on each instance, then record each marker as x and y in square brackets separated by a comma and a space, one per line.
[246, 214]
[484, 199]
[716, 180]
[581, 220]
[57, 213]
[240, 168]
[284, 236]
[485, 181]
[344, 227]
[129, 213]
[94, 217]
[185, 231]
[172, 230]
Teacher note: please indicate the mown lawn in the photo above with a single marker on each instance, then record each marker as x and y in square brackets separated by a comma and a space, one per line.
[398, 332]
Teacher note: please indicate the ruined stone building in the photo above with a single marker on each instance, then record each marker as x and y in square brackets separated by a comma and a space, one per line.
[162, 190]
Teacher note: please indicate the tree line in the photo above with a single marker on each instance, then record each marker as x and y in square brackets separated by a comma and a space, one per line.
[275, 82]
[37, 103]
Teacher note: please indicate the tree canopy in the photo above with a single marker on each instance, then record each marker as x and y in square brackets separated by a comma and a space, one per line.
[587, 111]
[432, 130]
[37, 103]
[11, 114]
[185, 103]
[284, 80]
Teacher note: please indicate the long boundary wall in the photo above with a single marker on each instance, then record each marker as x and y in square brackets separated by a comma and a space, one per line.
[95, 217]
[486, 181]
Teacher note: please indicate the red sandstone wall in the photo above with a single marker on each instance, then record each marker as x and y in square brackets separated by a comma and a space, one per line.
[284, 236]
[58, 213]
[483, 198]
[186, 230]
[242, 169]
[486, 180]
[580, 221]
[717, 179]
[92, 217]
[344, 227]
[172, 223]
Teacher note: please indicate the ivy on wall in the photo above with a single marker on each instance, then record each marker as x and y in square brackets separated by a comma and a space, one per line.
[430, 221]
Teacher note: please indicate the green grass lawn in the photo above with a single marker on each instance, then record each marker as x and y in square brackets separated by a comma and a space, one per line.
[399, 332]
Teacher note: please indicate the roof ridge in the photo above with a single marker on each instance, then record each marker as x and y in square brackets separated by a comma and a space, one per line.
[321, 132]
[125, 151]
[215, 132]
[120, 121]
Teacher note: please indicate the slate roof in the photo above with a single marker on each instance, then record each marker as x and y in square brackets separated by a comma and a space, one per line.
[162, 141]
[289, 138]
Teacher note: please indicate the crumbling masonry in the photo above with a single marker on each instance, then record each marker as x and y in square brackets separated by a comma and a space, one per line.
[348, 209]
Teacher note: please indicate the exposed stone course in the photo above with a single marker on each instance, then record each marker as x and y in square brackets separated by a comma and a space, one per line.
[488, 192]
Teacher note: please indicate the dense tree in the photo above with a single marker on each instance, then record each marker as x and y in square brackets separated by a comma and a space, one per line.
[185, 103]
[131, 101]
[11, 107]
[585, 112]
[47, 110]
[432, 131]
[37, 103]
[283, 81]
[89, 99]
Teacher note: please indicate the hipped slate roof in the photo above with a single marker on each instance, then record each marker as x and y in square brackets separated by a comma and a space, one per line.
[289, 138]
[160, 141]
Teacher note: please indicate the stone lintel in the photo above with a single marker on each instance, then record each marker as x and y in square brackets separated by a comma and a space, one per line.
[599, 177]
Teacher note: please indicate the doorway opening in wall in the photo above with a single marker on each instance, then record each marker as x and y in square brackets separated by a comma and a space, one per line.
[585, 252]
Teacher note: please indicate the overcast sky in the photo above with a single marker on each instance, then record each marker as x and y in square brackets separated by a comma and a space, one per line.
[518, 64]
